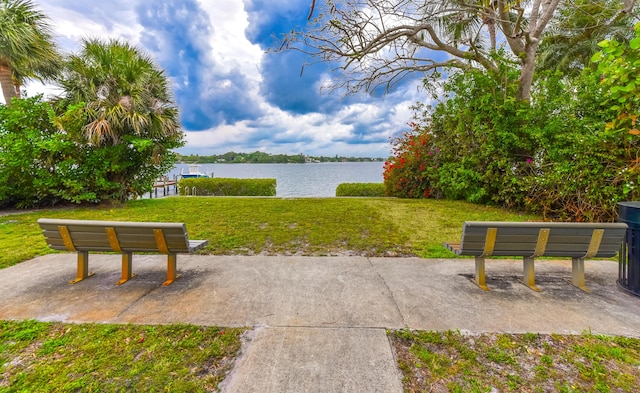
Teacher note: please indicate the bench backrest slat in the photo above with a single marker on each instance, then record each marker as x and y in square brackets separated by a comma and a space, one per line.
[88, 235]
[521, 238]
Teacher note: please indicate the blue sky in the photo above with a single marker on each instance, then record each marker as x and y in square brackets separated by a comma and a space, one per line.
[232, 94]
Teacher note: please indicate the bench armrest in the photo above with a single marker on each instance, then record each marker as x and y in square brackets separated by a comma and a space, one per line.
[197, 244]
[455, 247]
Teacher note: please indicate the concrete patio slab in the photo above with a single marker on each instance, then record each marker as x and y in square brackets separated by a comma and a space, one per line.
[271, 291]
[439, 295]
[323, 360]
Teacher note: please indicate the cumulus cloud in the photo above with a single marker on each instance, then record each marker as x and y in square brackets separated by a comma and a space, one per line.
[358, 129]
[74, 20]
[211, 83]
[232, 94]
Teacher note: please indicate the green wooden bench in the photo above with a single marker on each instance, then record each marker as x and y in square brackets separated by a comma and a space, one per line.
[529, 240]
[126, 238]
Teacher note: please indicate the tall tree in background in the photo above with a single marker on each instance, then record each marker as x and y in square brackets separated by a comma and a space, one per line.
[27, 49]
[377, 43]
[128, 111]
[573, 35]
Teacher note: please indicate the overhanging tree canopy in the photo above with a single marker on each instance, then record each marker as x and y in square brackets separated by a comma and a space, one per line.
[377, 43]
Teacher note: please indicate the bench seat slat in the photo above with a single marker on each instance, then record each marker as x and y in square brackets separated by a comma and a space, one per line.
[174, 232]
[121, 230]
[520, 253]
[555, 237]
[107, 248]
[606, 250]
[101, 224]
[177, 242]
[470, 225]
[196, 244]
[583, 238]
[532, 234]
[126, 246]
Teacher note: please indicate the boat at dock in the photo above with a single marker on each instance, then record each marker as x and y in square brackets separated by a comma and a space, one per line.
[194, 172]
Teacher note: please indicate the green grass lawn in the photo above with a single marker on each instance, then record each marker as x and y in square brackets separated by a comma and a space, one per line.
[57, 357]
[303, 226]
[455, 362]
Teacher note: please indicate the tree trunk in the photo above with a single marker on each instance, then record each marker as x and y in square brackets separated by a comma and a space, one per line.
[493, 36]
[528, 68]
[6, 82]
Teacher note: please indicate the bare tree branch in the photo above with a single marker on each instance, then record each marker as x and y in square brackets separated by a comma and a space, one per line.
[374, 43]
[627, 9]
[313, 6]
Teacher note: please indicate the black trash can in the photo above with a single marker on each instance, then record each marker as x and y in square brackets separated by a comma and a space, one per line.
[629, 270]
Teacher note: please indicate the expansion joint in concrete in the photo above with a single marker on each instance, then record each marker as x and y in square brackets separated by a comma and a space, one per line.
[133, 304]
[393, 298]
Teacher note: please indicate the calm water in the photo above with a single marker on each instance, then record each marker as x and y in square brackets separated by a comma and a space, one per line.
[310, 179]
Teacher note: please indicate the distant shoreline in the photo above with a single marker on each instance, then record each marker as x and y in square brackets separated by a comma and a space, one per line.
[266, 158]
[246, 162]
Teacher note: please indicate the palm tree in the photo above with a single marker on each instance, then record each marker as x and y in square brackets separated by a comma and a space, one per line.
[465, 22]
[125, 93]
[27, 49]
[574, 35]
[127, 107]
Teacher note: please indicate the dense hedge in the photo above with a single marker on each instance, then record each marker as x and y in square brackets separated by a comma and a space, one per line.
[360, 190]
[218, 186]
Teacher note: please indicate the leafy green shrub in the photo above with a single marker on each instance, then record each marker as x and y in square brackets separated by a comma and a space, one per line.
[45, 159]
[20, 124]
[560, 156]
[484, 138]
[360, 190]
[619, 69]
[584, 167]
[218, 186]
[40, 165]
[468, 146]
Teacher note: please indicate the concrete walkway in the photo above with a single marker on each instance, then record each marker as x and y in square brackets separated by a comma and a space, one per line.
[319, 323]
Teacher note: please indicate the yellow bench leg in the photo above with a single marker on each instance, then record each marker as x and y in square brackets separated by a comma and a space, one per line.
[83, 267]
[127, 268]
[529, 274]
[479, 277]
[577, 273]
[171, 269]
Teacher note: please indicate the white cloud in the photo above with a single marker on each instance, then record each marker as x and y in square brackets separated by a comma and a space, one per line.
[231, 49]
[219, 71]
[73, 20]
